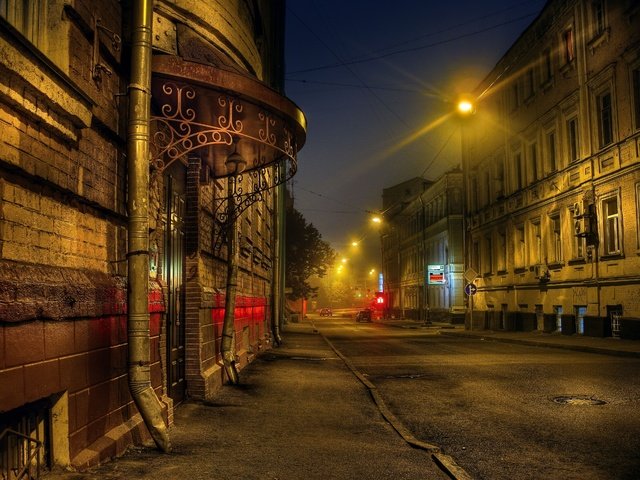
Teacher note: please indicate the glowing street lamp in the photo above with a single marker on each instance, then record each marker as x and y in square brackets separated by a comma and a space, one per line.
[466, 107]
[376, 219]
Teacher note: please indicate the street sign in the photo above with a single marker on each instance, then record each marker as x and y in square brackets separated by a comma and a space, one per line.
[470, 274]
[435, 275]
[470, 289]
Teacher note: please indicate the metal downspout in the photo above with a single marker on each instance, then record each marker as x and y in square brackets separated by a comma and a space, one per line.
[228, 326]
[138, 227]
[281, 260]
[277, 286]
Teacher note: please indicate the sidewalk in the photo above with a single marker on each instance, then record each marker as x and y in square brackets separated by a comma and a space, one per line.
[299, 413]
[605, 346]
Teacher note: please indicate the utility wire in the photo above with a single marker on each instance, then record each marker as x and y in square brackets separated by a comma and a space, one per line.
[410, 49]
[452, 27]
[446, 142]
[352, 85]
[360, 210]
[343, 63]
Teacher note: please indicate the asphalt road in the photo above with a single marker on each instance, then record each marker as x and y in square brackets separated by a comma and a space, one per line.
[494, 406]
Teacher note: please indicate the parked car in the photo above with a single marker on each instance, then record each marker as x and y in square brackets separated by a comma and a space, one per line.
[325, 312]
[364, 315]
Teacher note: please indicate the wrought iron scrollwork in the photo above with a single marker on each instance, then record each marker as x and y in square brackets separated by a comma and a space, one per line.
[182, 127]
[246, 189]
[192, 118]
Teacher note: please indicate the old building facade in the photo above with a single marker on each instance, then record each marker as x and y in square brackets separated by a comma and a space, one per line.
[223, 139]
[552, 176]
[423, 227]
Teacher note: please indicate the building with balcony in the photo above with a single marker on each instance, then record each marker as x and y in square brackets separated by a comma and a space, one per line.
[551, 165]
[423, 227]
[223, 139]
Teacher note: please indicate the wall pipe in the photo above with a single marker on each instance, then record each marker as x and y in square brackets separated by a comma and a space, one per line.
[138, 226]
[228, 325]
[278, 290]
[282, 259]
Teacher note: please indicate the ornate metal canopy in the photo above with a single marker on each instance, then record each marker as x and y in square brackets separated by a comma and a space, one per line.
[237, 125]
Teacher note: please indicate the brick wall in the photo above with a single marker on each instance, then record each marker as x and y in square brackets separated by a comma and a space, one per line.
[86, 357]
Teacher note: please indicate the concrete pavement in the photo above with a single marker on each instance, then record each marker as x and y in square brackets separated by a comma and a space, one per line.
[299, 413]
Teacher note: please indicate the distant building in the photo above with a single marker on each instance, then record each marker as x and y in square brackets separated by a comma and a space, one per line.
[551, 162]
[423, 226]
[222, 134]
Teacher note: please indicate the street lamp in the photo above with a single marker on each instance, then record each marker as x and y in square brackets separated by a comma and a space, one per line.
[466, 107]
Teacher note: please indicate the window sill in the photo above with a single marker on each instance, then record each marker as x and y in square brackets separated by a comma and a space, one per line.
[567, 67]
[555, 265]
[598, 40]
[502, 272]
[520, 270]
[612, 256]
[577, 261]
[546, 85]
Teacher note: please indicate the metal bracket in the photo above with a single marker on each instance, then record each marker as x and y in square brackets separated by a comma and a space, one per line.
[98, 67]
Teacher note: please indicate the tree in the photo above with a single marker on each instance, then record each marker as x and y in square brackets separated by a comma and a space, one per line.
[306, 255]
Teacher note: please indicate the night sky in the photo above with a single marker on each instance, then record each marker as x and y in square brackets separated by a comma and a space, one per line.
[368, 79]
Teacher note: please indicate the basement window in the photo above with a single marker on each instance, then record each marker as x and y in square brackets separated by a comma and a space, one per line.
[25, 441]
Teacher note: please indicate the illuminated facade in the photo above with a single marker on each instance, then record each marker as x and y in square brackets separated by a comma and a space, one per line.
[552, 176]
[223, 138]
[422, 227]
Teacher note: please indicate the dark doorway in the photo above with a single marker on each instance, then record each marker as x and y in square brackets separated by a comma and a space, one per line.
[175, 266]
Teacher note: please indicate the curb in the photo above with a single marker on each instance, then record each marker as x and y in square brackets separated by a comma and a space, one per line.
[445, 462]
[536, 343]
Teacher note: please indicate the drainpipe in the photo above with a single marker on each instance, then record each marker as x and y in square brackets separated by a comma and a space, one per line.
[281, 257]
[228, 326]
[278, 291]
[138, 227]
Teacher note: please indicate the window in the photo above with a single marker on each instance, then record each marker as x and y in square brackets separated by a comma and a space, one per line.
[605, 119]
[528, 84]
[533, 160]
[556, 238]
[568, 46]
[536, 236]
[520, 246]
[28, 17]
[475, 255]
[473, 193]
[499, 178]
[578, 242]
[517, 164]
[488, 258]
[502, 251]
[572, 139]
[611, 217]
[636, 96]
[598, 17]
[552, 162]
[547, 66]
[487, 187]
[515, 94]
